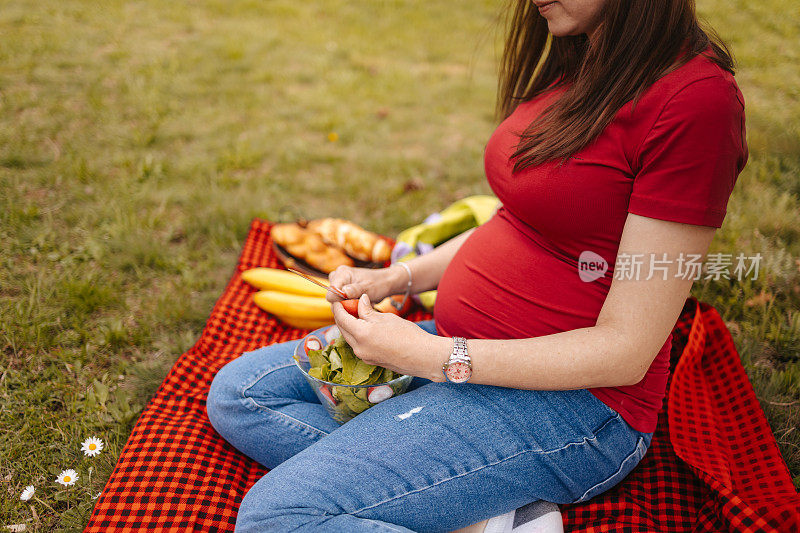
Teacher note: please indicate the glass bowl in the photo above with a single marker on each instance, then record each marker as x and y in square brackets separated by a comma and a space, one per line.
[344, 402]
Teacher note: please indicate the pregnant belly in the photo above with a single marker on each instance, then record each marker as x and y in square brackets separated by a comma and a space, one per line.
[505, 284]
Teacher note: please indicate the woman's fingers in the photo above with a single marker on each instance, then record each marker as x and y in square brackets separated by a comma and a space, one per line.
[356, 290]
[332, 296]
[354, 282]
[365, 310]
[338, 279]
[340, 276]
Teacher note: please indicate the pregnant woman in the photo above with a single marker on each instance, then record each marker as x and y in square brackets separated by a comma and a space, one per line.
[620, 143]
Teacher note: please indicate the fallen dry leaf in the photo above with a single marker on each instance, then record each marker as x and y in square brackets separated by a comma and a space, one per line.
[414, 184]
[761, 298]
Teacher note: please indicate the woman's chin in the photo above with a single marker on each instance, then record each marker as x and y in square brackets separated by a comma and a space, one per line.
[560, 29]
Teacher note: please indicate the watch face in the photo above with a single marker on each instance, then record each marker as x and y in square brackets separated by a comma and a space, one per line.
[458, 372]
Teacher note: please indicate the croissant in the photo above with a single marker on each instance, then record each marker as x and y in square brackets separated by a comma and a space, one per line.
[309, 247]
[352, 238]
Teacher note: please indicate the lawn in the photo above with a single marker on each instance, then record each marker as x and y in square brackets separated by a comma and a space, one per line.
[139, 138]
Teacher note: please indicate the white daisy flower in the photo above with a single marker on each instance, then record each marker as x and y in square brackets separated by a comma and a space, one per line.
[67, 477]
[27, 494]
[92, 446]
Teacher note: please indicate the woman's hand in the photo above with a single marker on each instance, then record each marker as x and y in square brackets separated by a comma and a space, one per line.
[385, 339]
[377, 283]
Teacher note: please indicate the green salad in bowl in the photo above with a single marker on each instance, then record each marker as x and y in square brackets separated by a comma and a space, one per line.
[344, 384]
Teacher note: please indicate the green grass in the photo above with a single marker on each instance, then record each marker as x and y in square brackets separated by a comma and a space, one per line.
[139, 138]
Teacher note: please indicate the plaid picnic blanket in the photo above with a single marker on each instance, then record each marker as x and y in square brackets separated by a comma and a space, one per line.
[713, 464]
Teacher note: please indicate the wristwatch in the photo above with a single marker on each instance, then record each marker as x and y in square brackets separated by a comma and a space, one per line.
[458, 368]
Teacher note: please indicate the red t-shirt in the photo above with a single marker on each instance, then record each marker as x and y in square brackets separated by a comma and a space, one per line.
[674, 156]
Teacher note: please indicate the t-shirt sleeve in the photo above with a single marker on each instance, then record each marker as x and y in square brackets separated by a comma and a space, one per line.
[691, 157]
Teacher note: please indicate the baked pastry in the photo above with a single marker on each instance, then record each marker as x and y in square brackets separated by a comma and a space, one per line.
[308, 246]
[352, 238]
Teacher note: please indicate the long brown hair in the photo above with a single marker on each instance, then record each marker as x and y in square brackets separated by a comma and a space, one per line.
[638, 41]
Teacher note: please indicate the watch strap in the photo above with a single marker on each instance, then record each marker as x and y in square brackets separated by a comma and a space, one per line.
[459, 349]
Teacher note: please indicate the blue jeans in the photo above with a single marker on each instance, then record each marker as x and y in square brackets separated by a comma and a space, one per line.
[459, 454]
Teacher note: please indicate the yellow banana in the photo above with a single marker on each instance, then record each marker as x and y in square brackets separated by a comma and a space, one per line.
[303, 323]
[282, 280]
[294, 305]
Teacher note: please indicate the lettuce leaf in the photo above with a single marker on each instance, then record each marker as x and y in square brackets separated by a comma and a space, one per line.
[317, 358]
[337, 363]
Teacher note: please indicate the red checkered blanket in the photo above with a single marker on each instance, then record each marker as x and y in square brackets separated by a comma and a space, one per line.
[713, 464]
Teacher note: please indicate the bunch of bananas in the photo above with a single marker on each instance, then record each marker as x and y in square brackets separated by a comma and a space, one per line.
[295, 301]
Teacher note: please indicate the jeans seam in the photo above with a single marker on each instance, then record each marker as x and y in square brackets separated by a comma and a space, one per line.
[442, 481]
[615, 417]
[300, 424]
[244, 399]
[636, 449]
